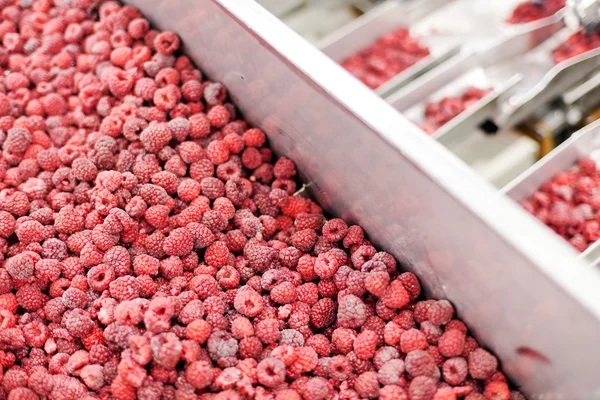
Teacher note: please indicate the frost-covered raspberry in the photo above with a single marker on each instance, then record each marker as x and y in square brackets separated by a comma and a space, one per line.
[451, 343]
[440, 313]
[482, 364]
[199, 374]
[124, 288]
[179, 242]
[352, 312]
[455, 370]
[366, 385]
[271, 372]
[21, 266]
[30, 232]
[365, 345]
[323, 313]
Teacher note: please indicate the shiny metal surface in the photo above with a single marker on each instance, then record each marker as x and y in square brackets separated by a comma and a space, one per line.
[368, 164]
[383, 19]
[585, 142]
[520, 69]
[547, 81]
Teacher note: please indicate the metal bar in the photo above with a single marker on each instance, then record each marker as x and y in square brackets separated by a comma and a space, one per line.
[368, 164]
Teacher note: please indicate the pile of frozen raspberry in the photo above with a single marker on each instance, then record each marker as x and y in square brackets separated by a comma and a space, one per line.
[152, 247]
[385, 58]
[575, 45]
[570, 204]
[439, 113]
[530, 11]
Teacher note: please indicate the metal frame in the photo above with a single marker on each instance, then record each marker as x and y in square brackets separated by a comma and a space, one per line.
[520, 289]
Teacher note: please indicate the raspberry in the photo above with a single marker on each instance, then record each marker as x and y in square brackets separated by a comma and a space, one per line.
[497, 390]
[365, 345]
[30, 232]
[74, 298]
[304, 240]
[254, 138]
[166, 42]
[199, 374]
[440, 313]
[455, 370]
[218, 116]
[284, 293]
[30, 297]
[35, 334]
[408, 279]
[482, 364]
[284, 168]
[212, 188]
[451, 343]
[395, 295]
[124, 288]
[376, 282]
[366, 385]
[7, 224]
[179, 243]
[412, 340]
[21, 266]
[217, 152]
[166, 98]
[271, 372]
[267, 331]
[78, 323]
[323, 313]
[248, 303]
[155, 137]
[352, 312]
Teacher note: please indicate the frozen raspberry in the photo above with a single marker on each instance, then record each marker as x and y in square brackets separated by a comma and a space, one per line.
[413, 339]
[7, 224]
[352, 312]
[124, 288]
[198, 330]
[212, 188]
[35, 334]
[21, 266]
[419, 363]
[408, 279]
[284, 168]
[218, 116]
[254, 138]
[30, 297]
[451, 343]
[271, 372]
[284, 293]
[78, 323]
[267, 331]
[482, 364]
[365, 345]
[497, 390]
[323, 313]
[395, 295]
[217, 152]
[180, 242]
[166, 42]
[156, 137]
[455, 370]
[30, 232]
[74, 298]
[366, 385]
[199, 374]
[145, 265]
